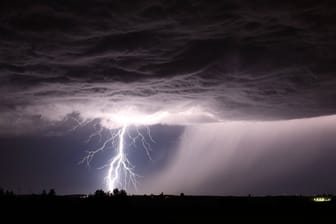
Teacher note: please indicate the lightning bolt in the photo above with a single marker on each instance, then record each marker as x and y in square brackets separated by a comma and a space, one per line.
[120, 172]
[120, 165]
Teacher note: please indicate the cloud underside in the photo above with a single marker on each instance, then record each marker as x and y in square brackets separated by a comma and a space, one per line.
[229, 59]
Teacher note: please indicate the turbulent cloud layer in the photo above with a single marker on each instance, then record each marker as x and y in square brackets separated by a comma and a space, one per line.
[235, 60]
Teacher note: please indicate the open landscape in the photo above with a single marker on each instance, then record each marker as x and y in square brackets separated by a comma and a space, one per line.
[202, 111]
[120, 206]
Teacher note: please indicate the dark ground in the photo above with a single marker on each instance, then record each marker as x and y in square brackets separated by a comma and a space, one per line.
[162, 208]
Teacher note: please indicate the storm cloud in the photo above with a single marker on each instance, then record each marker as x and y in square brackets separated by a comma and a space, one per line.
[234, 59]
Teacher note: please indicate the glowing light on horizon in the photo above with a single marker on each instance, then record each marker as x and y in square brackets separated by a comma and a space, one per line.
[321, 199]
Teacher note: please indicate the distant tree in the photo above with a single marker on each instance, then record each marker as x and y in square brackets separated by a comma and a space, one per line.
[162, 196]
[99, 194]
[116, 192]
[52, 193]
[44, 192]
[122, 193]
[9, 193]
[182, 194]
[119, 193]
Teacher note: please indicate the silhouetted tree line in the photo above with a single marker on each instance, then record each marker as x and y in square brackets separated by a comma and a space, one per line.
[51, 193]
[6, 193]
[115, 193]
[44, 193]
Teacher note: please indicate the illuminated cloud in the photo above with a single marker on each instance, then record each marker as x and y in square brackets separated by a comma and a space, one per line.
[231, 60]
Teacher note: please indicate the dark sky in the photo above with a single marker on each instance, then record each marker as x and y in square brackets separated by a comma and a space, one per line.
[240, 94]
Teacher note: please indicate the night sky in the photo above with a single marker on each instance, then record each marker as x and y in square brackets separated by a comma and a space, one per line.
[239, 96]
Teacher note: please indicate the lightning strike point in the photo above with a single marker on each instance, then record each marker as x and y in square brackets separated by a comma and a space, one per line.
[120, 165]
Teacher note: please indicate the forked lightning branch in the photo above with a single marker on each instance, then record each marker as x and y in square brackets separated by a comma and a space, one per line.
[121, 172]
[120, 127]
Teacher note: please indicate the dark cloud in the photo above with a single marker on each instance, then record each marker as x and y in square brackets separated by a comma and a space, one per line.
[251, 60]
